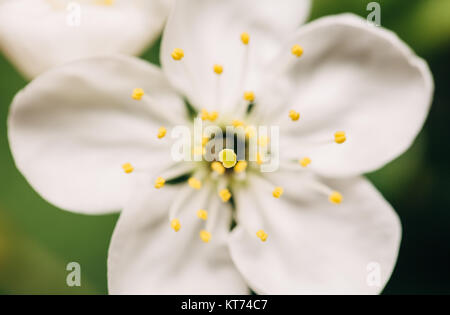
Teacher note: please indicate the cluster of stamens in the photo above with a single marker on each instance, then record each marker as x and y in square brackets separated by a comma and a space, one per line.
[227, 159]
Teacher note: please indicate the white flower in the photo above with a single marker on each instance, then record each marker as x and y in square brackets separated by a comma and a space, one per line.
[39, 34]
[314, 226]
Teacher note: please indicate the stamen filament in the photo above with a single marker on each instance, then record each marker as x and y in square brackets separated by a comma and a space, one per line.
[214, 207]
[176, 170]
[179, 202]
[156, 111]
[245, 38]
[333, 195]
[177, 55]
[218, 69]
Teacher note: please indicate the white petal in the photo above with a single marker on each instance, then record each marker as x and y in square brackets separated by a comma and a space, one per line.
[313, 246]
[147, 257]
[356, 78]
[209, 33]
[39, 34]
[72, 129]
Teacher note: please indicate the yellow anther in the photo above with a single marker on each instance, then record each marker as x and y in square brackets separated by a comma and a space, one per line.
[250, 132]
[217, 167]
[237, 123]
[259, 159]
[225, 194]
[175, 225]
[297, 50]
[104, 2]
[263, 141]
[218, 69]
[194, 183]
[205, 236]
[294, 115]
[178, 54]
[262, 235]
[159, 182]
[249, 96]
[137, 94]
[161, 132]
[277, 192]
[305, 161]
[240, 167]
[335, 197]
[339, 137]
[213, 116]
[205, 140]
[128, 168]
[204, 114]
[245, 38]
[228, 158]
[202, 214]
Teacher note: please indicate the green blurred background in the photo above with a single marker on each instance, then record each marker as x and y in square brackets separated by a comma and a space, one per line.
[37, 240]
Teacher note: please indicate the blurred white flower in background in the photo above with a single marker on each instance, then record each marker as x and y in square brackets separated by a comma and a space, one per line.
[348, 98]
[37, 35]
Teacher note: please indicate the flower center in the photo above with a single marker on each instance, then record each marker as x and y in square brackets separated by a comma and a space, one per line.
[228, 152]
